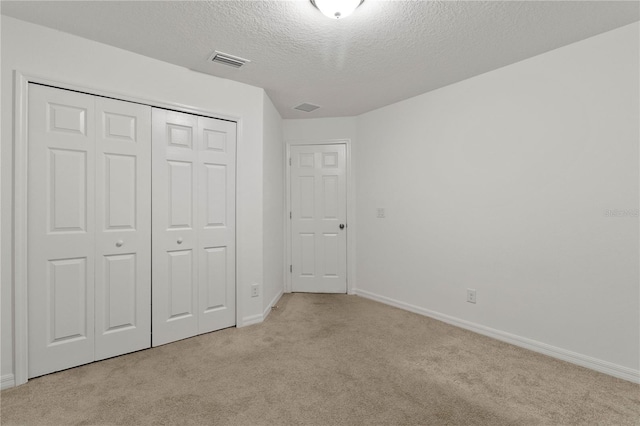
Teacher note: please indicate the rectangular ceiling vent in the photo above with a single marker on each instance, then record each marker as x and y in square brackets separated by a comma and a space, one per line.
[229, 60]
[306, 107]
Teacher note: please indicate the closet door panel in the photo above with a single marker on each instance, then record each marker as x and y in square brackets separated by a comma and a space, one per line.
[123, 218]
[216, 224]
[61, 229]
[174, 206]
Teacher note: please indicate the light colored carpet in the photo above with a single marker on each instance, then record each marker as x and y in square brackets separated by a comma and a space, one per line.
[325, 360]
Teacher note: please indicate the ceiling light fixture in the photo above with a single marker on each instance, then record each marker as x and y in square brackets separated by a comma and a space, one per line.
[336, 9]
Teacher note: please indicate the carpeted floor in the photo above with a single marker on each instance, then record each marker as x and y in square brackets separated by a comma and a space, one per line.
[328, 360]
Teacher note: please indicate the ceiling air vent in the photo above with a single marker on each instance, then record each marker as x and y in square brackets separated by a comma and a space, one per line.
[306, 107]
[229, 60]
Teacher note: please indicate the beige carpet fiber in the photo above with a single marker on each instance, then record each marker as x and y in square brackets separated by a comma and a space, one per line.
[328, 360]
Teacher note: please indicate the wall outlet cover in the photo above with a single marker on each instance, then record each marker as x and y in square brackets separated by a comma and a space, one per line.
[471, 295]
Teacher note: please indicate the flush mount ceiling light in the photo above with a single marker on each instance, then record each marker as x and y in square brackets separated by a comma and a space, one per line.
[336, 9]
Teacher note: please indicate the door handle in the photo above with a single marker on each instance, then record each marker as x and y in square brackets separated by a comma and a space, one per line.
[119, 243]
[342, 226]
[179, 240]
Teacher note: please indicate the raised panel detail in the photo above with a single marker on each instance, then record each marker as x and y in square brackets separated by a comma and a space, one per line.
[330, 245]
[307, 197]
[119, 292]
[67, 191]
[118, 126]
[215, 140]
[66, 118]
[180, 194]
[181, 136]
[330, 160]
[216, 194]
[306, 160]
[308, 254]
[180, 284]
[120, 192]
[330, 194]
[67, 289]
[216, 278]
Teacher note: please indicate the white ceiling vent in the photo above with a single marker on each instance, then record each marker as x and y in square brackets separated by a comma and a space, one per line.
[229, 60]
[306, 107]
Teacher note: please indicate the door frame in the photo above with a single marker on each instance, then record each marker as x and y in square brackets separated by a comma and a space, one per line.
[20, 205]
[351, 217]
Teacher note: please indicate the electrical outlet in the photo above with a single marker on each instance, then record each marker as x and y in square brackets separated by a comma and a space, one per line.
[381, 213]
[255, 290]
[471, 295]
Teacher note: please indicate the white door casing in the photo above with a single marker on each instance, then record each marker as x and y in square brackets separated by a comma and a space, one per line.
[87, 300]
[193, 266]
[318, 218]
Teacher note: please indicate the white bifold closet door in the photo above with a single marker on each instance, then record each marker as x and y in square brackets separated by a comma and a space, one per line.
[89, 233]
[193, 217]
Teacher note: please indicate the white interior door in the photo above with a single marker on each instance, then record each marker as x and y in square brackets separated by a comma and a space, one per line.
[318, 218]
[123, 227]
[174, 272]
[216, 224]
[89, 232]
[61, 229]
[193, 265]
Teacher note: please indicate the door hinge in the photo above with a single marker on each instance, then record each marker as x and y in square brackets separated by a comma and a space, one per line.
[290, 215]
[291, 269]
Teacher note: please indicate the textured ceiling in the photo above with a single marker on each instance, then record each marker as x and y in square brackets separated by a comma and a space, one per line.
[385, 52]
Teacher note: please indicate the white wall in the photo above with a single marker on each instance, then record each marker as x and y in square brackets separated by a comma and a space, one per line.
[500, 183]
[273, 214]
[62, 57]
[319, 129]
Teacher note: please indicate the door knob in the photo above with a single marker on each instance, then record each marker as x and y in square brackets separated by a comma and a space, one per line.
[119, 243]
[342, 226]
[179, 240]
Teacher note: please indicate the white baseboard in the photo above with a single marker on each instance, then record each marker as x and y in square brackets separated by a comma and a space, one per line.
[7, 381]
[601, 366]
[250, 320]
[271, 304]
[258, 318]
